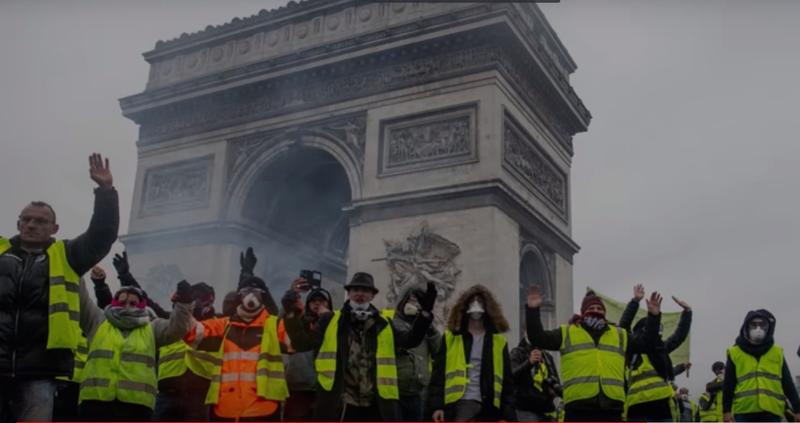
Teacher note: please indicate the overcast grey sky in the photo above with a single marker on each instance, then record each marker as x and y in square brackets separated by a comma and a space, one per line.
[686, 180]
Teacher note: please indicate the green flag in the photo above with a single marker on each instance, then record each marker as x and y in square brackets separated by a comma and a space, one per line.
[614, 310]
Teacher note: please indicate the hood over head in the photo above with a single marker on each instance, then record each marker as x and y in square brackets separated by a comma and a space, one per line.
[743, 341]
[493, 317]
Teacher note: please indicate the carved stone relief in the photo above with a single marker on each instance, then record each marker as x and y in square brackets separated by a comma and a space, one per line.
[177, 186]
[532, 166]
[422, 257]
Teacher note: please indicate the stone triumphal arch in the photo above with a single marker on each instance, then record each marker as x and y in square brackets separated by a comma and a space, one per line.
[415, 141]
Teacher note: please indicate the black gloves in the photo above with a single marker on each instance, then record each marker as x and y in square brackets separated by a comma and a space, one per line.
[429, 299]
[248, 261]
[184, 293]
[121, 263]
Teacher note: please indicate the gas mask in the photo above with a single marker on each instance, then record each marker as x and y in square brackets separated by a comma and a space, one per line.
[361, 311]
[475, 310]
[251, 299]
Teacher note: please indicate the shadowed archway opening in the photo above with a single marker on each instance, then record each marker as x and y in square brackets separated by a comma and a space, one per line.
[296, 203]
[533, 272]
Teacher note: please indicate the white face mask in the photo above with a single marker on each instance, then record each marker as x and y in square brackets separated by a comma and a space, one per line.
[475, 310]
[757, 335]
[359, 306]
[410, 309]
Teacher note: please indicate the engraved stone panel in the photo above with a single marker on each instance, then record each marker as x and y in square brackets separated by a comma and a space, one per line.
[177, 186]
[435, 139]
[530, 164]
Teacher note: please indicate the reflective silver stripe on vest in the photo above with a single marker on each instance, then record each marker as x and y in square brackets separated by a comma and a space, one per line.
[758, 374]
[234, 377]
[240, 355]
[95, 382]
[69, 286]
[138, 358]
[754, 392]
[272, 374]
[101, 354]
[584, 379]
[171, 357]
[270, 357]
[64, 307]
[385, 361]
[328, 373]
[612, 382]
[455, 373]
[327, 355]
[200, 355]
[137, 386]
[647, 387]
[608, 348]
[387, 381]
[578, 347]
[642, 376]
[454, 389]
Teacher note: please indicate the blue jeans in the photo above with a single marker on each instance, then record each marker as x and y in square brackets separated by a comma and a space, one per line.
[28, 400]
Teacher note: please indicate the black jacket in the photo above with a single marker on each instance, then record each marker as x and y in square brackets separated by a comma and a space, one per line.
[729, 382]
[551, 340]
[24, 294]
[328, 405]
[527, 396]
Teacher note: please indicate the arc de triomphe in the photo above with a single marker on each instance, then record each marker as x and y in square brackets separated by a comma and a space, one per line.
[415, 141]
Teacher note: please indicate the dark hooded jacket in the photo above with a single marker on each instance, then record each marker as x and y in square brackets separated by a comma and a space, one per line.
[24, 294]
[661, 361]
[413, 371]
[551, 340]
[328, 406]
[756, 350]
[527, 396]
[458, 323]
[300, 372]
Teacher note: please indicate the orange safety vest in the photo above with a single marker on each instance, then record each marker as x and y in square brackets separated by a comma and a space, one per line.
[238, 390]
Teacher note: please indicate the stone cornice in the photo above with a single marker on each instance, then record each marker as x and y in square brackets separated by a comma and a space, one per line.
[527, 20]
[406, 66]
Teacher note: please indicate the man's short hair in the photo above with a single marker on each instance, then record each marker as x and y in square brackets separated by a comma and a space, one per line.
[42, 204]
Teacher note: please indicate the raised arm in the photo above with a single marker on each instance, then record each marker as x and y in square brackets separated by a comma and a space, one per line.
[644, 343]
[102, 292]
[537, 335]
[180, 321]
[87, 249]
[629, 314]
[682, 331]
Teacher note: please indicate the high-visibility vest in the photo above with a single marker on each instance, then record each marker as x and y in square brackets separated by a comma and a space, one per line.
[386, 372]
[539, 377]
[587, 368]
[645, 385]
[121, 367]
[758, 382]
[174, 359]
[714, 412]
[455, 379]
[270, 376]
[63, 327]
[80, 362]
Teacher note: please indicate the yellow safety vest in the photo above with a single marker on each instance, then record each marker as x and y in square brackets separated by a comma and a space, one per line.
[645, 385]
[455, 379]
[587, 368]
[758, 382]
[121, 367]
[270, 375]
[713, 413]
[386, 372]
[80, 361]
[540, 376]
[63, 320]
[174, 359]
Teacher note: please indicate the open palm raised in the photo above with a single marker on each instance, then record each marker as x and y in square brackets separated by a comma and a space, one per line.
[100, 171]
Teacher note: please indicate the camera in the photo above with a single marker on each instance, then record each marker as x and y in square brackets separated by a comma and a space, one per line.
[313, 277]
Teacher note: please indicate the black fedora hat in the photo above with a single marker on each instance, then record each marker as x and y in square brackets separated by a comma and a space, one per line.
[362, 280]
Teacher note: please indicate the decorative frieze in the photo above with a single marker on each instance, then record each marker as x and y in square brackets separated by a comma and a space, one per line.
[177, 186]
[531, 165]
[434, 139]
